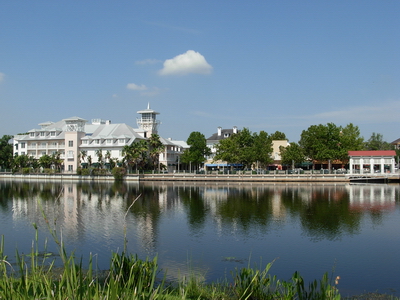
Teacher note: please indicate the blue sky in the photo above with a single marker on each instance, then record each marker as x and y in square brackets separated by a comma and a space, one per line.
[264, 65]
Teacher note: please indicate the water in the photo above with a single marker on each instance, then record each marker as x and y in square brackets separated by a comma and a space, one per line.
[211, 229]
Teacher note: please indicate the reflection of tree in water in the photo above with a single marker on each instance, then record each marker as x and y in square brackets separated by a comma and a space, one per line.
[324, 213]
[247, 207]
[196, 208]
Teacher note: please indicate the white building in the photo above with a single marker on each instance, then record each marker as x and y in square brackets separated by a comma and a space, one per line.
[71, 136]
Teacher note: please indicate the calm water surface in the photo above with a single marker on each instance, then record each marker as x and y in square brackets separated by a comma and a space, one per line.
[211, 229]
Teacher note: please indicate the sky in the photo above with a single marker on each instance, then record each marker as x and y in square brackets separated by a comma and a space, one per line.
[264, 65]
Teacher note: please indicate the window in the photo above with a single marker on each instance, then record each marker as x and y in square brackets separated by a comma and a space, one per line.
[70, 168]
[16, 146]
[53, 133]
[84, 142]
[70, 143]
[22, 145]
[42, 133]
[32, 134]
[70, 154]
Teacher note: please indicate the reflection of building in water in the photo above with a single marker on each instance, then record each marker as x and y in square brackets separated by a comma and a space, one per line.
[372, 197]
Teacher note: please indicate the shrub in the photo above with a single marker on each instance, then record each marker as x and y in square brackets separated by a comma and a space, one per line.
[48, 171]
[118, 173]
[85, 172]
[26, 170]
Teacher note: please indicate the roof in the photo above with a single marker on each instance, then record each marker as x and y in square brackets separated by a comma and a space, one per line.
[395, 142]
[373, 153]
[224, 134]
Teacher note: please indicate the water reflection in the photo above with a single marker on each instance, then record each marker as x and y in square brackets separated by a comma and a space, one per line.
[206, 221]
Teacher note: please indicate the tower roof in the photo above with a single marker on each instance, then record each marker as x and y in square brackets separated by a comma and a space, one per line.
[148, 110]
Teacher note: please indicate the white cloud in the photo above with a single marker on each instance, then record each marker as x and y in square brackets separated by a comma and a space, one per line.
[189, 62]
[135, 87]
[2, 75]
[148, 61]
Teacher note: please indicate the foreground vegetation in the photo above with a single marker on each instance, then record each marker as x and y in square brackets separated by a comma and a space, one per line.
[36, 277]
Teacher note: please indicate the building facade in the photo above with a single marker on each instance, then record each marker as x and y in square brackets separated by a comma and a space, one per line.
[72, 137]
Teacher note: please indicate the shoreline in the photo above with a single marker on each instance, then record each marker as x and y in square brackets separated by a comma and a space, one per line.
[192, 177]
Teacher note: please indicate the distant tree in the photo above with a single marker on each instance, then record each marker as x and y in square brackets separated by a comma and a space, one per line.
[376, 142]
[89, 158]
[155, 148]
[238, 148]
[21, 161]
[6, 152]
[135, 154]
[99, 154]
[321, 142]
[45, 161]
[277, 135]
[292, 154]
[56, 160]
[262, 149]
[350, 140]
[198, 150]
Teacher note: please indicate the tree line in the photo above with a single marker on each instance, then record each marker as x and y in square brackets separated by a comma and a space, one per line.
[319, 143]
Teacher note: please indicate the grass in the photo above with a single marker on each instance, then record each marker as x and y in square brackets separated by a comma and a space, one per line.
[35, 276]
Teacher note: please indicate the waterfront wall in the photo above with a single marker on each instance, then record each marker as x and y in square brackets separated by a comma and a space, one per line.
[246, 177]
[63, 177]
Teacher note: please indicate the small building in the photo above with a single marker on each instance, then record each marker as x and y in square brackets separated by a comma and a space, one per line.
[372, 161]
[396, 144]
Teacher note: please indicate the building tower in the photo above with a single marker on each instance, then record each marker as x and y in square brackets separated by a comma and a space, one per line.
[148, 122]
[75, 130]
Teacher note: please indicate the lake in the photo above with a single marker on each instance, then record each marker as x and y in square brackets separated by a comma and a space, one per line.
[209, 229]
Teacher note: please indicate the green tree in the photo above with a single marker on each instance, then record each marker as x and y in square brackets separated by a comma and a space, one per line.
[321, 142]
[277, 136]
[56, 160]
[292, 154]
[155, 148]
[198, 150]
[45, 161]
[376, 142]
[6, 152]
[262, 149]
[135, 154]
[350, 140]
[21, 161]
[99, 154]
[238, 148]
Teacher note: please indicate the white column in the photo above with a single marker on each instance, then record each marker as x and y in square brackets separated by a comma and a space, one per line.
[351, 165]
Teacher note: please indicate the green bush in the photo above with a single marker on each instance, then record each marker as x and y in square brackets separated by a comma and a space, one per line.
[85, 172]
[118, 173]
[26, 170]
[48, 171]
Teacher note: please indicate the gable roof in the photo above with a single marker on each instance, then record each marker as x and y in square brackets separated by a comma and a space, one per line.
[373, 153]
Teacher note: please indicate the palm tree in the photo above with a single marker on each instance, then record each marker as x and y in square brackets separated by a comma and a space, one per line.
[56, 160]
[156, 147]
[83, 155]
[89, 159]
[99, 154]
